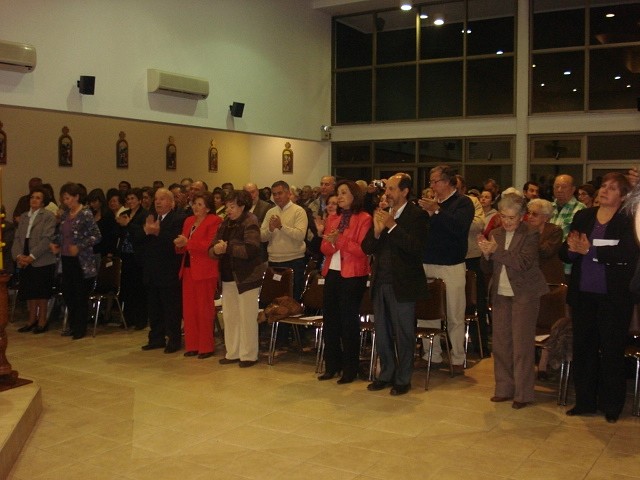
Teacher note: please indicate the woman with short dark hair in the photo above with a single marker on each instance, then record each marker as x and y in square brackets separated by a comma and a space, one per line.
[238, 249]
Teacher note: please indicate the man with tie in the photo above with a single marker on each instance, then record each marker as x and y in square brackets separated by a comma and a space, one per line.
[161, 267]
[396, 240]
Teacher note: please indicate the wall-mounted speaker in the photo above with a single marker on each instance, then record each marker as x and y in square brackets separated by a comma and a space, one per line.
[87, 85]
[236, 109]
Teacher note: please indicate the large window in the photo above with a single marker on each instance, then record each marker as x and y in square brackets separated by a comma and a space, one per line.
[585, 55]
[436, 61]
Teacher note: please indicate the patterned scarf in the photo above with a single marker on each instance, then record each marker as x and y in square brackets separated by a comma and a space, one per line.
[345, 218]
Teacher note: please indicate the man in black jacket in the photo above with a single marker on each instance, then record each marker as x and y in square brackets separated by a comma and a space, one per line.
[161, 267]
[397, 240]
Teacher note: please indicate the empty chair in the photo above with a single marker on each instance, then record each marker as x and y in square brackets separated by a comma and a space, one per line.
[277, 282]
[107, 288]
[434, 307]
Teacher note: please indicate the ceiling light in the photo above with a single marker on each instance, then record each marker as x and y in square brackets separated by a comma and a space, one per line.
[424, 16]
[499, 52]
[628, 86]
[617, 77]
[575, 89]
[567, 72]
[542, 84]
[438, 22]
[406, 5]
[610, 15]
[468, 30]
[533, 66]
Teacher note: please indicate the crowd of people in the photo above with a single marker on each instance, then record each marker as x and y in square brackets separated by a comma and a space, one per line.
[180, 245]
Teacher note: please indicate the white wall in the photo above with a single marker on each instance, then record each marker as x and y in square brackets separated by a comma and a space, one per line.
[274, 56]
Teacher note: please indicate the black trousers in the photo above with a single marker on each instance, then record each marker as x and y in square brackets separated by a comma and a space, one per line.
[600, 332]
[75, 291]
[165, 315]
[132, 292]
[341, 306]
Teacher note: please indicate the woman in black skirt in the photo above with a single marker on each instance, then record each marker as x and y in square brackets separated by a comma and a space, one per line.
[36, 229]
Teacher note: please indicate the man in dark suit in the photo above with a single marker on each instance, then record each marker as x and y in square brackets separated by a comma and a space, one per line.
[258, 206]
[397, 240]
[161, 267]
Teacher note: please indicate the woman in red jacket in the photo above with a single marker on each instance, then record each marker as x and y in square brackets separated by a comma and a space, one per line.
[346, 269]
[199, 275]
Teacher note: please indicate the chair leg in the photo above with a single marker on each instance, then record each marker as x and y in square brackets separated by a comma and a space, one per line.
[430, 354]
[636, 391]
[477, 322]
[563, 387]
[373, 358]
[446, 342]
[466, 342]
[120, 309]
[272, 343]
[319, 349]
[96, 314]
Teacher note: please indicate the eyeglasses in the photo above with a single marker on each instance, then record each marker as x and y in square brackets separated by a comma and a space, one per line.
[433, 182]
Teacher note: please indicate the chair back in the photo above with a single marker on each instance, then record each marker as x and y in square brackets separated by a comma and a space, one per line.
[434, 306]
[108, 279]
[277, 282]
[552, 307]
[471, 292]
[313, 295]
[366, 305]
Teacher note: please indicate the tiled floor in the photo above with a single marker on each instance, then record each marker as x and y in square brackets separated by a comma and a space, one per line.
[112, 411]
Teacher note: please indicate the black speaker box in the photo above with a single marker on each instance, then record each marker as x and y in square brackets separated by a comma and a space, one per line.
[236, 109]
[87, 85]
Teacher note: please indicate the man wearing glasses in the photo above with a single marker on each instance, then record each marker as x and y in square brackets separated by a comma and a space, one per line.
[451, 214]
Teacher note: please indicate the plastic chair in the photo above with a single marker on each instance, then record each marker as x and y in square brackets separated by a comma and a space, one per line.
[107, 288]
[434, 307]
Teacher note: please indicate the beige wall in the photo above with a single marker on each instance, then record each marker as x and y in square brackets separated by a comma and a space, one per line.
[32, 140]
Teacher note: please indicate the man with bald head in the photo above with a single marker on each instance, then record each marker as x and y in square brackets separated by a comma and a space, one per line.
[161, 265]
[327, 188]
[565, 207]
[258, 206]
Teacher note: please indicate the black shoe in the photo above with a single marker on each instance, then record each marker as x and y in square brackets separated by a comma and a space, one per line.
[611, 417]
[227, 361]
[39, 329]
[576, 411]
[400, 389]
[151, 347]
[139, 327]
[346, 379]
[78, 336]
[328, 375]
[191, 353]
[27, 328]
[205, 355]
[377, 385]
[247, 363]
[170, 349]
[66, 333]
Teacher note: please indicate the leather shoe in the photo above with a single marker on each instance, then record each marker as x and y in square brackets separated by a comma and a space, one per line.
[377, 385]
[227, 361]
[151, 347]
[66, 333]
[611, 417]
[191, 353]
[27, 328]
[575, 411]
[500, 399]
[400, 389]
[78, 336]
[458, 369]
[247, 363]
[345, 379]
[327, 376]
[519, 405]
[205, 355]
[171, 349]
[41, 329]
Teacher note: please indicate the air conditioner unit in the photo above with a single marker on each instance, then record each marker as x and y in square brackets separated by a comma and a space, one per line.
[18, 57]
[159, 81]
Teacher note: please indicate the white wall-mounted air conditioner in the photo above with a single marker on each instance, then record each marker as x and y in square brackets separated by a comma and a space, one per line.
[18, 57]
[159, 81]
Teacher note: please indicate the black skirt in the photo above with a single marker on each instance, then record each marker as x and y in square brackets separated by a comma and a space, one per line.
[37, 282]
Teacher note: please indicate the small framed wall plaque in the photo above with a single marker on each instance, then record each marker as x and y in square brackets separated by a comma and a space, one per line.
[122, 151]
[65, 149]
[287, 159]
[172, 155]
[213, 157]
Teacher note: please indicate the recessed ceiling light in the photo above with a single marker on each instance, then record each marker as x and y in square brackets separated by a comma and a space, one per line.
[424, 16]
[575, 90]
[533, 66]
[406, 5]
[499, 52]
[610, 15]
[542, 84]
[617, 77]
[628, 86]
[438, 21]
[567, 72]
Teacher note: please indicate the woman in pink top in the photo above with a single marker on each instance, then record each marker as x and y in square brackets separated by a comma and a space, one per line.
[346, 269]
